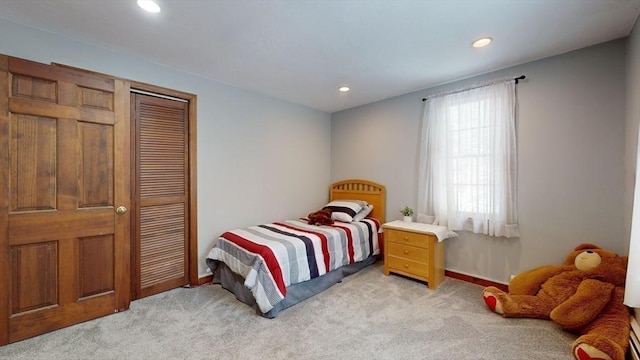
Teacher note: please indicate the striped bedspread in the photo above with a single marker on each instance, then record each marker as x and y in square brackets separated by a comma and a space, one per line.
[273, 256]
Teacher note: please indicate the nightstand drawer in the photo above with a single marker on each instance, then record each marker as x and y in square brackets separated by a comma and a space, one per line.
[408, 266]
[408, 252]
[407, 238]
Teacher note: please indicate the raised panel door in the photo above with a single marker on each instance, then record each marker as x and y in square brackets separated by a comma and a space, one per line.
[65, 167]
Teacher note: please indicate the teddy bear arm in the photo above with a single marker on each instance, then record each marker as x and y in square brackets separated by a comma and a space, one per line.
[529, 282]
[517, 306]
[582, 307]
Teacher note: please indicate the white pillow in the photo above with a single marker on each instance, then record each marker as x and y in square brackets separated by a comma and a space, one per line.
[345, 210]
[363, 213]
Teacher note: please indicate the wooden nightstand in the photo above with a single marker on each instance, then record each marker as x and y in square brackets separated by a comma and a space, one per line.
[413, 250]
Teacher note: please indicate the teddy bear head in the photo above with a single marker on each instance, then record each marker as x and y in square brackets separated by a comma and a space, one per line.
[321, 217]
[599, 263]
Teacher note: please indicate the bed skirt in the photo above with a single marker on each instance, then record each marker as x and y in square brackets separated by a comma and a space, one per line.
[295, 293]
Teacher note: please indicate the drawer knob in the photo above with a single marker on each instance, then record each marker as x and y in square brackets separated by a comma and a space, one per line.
[406, 252]
[406, 238]
[406, 266]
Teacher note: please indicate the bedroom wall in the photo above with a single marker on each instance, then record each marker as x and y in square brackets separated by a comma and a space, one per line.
[251, 148]
[632, 126]
[571, 138]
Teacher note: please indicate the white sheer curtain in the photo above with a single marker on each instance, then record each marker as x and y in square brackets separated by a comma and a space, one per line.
[468, 162]
[632, 286]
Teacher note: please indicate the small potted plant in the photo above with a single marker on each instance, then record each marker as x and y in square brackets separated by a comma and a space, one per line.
[407, 212]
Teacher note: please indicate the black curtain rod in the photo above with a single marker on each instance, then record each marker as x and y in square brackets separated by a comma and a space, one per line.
[521, 77]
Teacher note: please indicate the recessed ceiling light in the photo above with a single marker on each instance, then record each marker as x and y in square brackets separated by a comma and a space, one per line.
[482, 42]
[149, 5]
[344, 88]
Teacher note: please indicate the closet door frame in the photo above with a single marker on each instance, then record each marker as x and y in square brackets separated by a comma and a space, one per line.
[192, 251]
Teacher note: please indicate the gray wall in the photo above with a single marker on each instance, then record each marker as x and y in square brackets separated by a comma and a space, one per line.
[251, 148]
[571, 139]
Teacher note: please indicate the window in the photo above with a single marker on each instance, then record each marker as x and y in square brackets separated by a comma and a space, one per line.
[468, 161]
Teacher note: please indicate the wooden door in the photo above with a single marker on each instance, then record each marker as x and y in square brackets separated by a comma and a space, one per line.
[161, 194]
[65, 162]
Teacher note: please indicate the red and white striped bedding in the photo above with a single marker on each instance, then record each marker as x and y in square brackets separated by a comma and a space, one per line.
[273, 256]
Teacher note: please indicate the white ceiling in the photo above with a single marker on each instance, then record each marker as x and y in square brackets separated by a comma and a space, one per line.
[301, 51]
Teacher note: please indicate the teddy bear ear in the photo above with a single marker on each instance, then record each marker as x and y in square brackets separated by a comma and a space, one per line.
[586, 246]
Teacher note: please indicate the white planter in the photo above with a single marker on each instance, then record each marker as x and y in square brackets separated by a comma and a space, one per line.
[408, 219]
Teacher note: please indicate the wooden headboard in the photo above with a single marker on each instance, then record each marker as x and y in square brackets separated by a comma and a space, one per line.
[355, 189]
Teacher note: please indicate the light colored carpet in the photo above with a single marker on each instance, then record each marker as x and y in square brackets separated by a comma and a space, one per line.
[367, 316]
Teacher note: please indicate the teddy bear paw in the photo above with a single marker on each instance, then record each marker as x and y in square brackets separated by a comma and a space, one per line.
[492, 302]
[587, 352]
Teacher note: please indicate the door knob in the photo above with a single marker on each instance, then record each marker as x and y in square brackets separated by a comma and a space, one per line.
[121, 210]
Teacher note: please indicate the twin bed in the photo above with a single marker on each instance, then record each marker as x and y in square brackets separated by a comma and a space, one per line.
[271, 267]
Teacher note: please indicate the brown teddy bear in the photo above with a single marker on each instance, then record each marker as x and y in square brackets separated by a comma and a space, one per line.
[320, 217]
[584, 295]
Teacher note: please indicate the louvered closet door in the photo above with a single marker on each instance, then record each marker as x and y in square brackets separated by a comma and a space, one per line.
[161, 225]
[64, 163]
